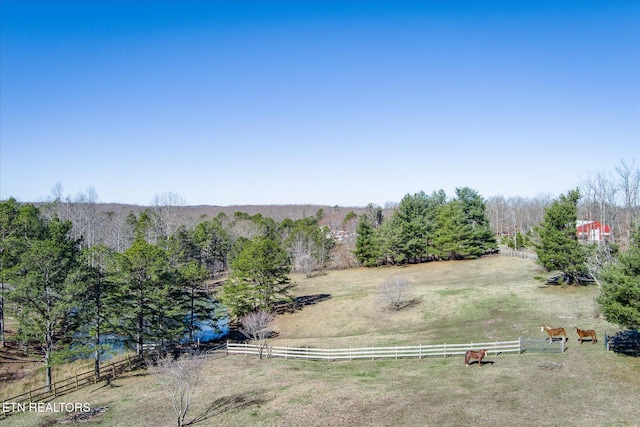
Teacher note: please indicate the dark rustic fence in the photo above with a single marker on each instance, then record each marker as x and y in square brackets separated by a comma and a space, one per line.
[624, 342]
[70, 384]
[107, 373]
[542, 345]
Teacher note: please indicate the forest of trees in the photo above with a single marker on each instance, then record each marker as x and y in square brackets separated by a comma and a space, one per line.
[426, 227]
[72, 271]
[152, 284]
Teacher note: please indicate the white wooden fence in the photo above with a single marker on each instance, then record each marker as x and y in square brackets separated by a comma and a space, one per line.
[518, 254]
[414, 351]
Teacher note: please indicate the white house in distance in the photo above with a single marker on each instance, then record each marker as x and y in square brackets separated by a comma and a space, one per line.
[592, 231]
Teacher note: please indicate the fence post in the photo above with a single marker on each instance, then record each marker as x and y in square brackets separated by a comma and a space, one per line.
[420, 352]
[54, 389]
[520, 345]
[76, 381]
[30, 397]
[129, 360]
[444, 350]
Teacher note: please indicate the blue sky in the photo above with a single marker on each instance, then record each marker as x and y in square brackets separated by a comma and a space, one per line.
[337, 103]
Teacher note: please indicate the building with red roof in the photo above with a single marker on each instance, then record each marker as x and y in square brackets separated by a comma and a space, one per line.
[592, 231]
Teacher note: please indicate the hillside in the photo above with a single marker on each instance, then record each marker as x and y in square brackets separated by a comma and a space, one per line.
[495, 298]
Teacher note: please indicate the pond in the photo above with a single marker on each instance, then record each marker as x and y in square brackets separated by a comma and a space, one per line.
[113, 345]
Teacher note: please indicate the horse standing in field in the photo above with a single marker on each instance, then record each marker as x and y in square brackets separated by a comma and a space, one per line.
[554, 332]
[588, 333]
[470, 354]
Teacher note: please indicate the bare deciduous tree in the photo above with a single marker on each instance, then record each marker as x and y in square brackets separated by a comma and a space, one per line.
[258, 327]
[166, 212]
[179, 378]
[302, 254]
[395, 294]
[244, 228]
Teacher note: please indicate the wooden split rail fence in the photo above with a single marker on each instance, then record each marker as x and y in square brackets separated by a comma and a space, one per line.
[70, 384]
[107, 373]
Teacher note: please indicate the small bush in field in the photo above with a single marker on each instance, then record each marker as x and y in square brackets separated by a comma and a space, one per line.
[395, 294]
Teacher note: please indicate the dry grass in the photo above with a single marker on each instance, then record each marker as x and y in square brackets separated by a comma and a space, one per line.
[494, 298]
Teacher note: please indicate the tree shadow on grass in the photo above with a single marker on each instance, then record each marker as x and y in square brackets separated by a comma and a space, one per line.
[224, 404]
[299, 303]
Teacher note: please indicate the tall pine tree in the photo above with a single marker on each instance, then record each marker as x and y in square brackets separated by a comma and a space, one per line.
[558, 247]
[143, 276]
[259, 276]
[368, 249]
[619, 297]
[44, 287]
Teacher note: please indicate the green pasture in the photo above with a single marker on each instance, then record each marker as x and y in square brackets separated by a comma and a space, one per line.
[488, 299]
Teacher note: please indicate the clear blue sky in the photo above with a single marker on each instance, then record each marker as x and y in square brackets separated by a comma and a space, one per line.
[270, 102]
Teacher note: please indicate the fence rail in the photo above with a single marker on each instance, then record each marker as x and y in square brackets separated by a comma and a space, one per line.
[397, 352]
[542, 345]
[111, 370]
[70, 384]
[518, 254]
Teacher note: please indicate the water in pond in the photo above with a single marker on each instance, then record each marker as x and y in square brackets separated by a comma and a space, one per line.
[113, 344]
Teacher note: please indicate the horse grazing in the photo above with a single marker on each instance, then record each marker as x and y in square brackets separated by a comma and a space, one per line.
[471, 354]
[588, 333]
[554, 332]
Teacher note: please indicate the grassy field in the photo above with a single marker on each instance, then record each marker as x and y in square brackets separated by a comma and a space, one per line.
[495, 298]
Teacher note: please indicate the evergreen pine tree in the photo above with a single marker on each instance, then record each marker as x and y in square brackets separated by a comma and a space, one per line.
[368, 249]
[558, 247]
[143, 276]
[44, 289]
[619, 297]
[259, 276]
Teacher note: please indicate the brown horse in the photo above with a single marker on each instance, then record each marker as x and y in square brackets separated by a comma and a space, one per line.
[588, 333]
[470, 354]
[554, 332]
